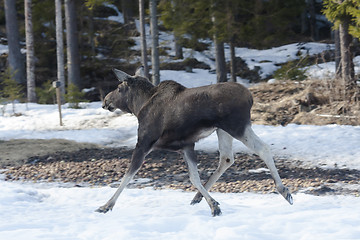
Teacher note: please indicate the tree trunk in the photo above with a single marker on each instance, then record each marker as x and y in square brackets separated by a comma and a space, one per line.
[232, 62]
[91, 32]
[155, 43]
[313, 29]
[59, 46]
[219, 48]
[337, 54]
[144, 59]
[127, 11]
[30, 53]
[15, 58]
[73, 59]
[303, 20]
[178, 48]
[220, 61]
[347, 66]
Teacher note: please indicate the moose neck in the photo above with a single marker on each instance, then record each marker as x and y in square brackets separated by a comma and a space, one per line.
[138, 97]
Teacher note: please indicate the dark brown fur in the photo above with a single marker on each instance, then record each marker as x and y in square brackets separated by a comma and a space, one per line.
[171, 116]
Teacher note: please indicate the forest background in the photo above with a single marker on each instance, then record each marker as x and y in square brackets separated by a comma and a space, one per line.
[94, 44]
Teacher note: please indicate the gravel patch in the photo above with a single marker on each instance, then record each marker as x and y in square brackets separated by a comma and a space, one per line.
[105, 166]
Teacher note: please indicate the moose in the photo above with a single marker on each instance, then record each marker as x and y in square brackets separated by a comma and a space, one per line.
[173, 117]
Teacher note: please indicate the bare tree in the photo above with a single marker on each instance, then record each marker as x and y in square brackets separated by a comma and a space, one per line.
[73, 59]
[155, 43]
[59, 46]
[341, 13]
[30, 53]
[15, 58]
[144, 59]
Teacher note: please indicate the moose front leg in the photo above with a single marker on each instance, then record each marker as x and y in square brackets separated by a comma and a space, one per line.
[136, 161]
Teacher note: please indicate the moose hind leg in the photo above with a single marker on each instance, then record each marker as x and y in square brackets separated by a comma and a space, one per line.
[226, 159]
[254, 143]
[190, 158]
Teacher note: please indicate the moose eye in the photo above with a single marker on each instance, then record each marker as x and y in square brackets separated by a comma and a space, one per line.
[121, 87]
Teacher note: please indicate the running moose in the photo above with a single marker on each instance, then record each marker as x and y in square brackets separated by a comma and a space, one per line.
[174, 117]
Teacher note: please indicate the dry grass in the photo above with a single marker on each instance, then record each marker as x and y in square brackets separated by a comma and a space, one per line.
[316, 102]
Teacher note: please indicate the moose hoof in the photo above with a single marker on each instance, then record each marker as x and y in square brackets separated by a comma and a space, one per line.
[289, 198]
[104, 209]
[215, 209]
[287, 195]
[198, 197]
[216, 212]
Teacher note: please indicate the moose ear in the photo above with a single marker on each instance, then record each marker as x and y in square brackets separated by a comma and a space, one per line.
[120, 75]
[140, 71]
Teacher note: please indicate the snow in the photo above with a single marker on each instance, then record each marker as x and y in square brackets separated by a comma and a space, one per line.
[199, 77]
[3, 49]
[116, 18]
[268, 59]
[327, 70]
[34, 211]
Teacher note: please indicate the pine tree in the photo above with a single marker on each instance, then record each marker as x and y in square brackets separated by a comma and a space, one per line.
[345, 15]
[74, 96]
[172, 15]
[354, 11]
[127, 11]
[199, 19]
[12, 91]
[93, 3]
[344, 10]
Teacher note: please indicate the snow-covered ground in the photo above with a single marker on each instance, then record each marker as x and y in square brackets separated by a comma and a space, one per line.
[34, 211]
[326, 71]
